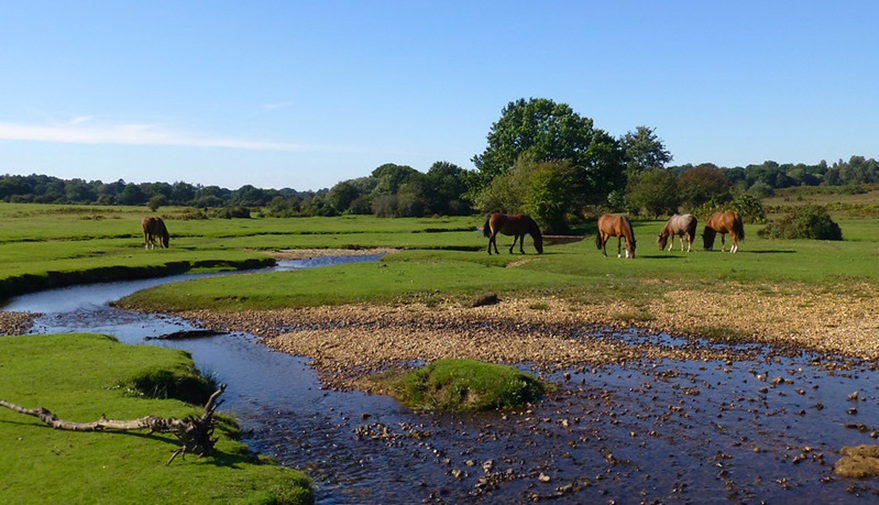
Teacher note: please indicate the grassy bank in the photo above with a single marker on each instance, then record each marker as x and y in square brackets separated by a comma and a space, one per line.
[575, 270]
[81, 377]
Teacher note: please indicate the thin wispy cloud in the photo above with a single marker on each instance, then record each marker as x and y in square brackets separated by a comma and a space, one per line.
[85, 130]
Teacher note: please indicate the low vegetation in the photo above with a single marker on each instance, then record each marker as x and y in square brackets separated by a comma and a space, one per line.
[462, 385]
[81, 377]
[806, 222]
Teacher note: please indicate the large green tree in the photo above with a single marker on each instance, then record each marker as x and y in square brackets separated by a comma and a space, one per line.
[702, 185]
[538, 188]
[552, 132]
[655, 191]
[644, 151]
[445, 189]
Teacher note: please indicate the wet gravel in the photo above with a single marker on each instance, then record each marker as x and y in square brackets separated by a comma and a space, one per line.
[646, 412]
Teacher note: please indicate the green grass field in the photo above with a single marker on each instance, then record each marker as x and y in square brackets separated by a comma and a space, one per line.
[81, 377]
[442, 258]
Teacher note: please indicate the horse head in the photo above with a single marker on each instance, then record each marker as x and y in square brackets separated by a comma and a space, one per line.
[538, 242]
[708, 238]
[662, 241]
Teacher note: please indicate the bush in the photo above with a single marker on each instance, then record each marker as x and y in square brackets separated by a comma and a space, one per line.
[807, 222]
[749, 207]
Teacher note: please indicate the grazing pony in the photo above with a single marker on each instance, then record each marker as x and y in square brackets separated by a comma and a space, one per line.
[723, 223]
[619, 227]
[154, 231]
[518, 226]
[680, 225]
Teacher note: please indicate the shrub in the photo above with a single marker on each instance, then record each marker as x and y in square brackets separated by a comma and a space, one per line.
[808, 222]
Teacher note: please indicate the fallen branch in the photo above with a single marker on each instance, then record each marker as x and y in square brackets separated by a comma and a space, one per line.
[194, 433]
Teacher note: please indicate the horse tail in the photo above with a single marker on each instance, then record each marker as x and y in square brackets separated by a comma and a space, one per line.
[486, 229]
[739, 227]
[598, 241]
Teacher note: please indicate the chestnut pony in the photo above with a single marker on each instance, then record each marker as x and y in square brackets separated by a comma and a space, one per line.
[723, 223]
[154, 231]
[518, 225]
[619, 227]
[680, 225]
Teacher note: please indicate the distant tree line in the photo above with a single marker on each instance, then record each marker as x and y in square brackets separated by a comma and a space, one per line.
[541, 158]
[47, 189]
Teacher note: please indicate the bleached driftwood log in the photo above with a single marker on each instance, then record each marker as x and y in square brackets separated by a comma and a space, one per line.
[194, 433]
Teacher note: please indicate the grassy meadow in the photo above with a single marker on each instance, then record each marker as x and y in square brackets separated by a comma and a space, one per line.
[441, 259]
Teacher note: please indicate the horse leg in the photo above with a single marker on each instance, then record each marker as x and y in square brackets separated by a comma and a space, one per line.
[620, 248]
[604, 240]
[515, 238]
[492, 240]
[735, 243]
[522, 244]
[723, 242]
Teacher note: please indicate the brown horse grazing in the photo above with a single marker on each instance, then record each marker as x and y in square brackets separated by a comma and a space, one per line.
[518, 226]
[154, 231]
[619, 227]
[680, 225]
[723, 223]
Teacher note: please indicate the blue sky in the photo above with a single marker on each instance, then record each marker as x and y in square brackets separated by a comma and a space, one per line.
[307, 94]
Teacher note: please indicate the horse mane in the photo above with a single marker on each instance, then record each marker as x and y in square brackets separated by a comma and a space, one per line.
[533, 228]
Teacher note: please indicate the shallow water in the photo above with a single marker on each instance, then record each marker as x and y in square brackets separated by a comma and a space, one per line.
[764, 429]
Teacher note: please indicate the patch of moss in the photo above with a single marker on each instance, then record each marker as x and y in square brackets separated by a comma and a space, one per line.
[464, 385]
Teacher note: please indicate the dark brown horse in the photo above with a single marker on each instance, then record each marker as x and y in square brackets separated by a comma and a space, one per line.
[723, 223]
[681, 225]
[619, 227]
[518, 226]
[154, 231]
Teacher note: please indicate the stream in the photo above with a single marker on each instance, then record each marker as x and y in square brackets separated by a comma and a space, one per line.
[766, 429]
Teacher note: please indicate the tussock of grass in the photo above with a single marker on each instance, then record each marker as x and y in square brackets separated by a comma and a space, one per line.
[722, 334]
[463, 385]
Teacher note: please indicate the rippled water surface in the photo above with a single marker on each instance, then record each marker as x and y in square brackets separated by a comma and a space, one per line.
[765, 429]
